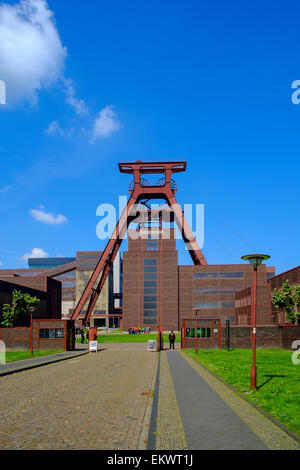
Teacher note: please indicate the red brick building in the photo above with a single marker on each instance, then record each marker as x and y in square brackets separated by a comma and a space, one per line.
[44, 288]
[276, 282]
[156, 291]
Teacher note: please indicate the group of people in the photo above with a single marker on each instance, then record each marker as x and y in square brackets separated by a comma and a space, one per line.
[139, 331]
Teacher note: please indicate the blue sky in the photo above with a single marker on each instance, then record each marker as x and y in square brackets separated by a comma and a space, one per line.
[92, 84]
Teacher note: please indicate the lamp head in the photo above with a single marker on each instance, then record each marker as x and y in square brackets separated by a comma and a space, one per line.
[256, 259]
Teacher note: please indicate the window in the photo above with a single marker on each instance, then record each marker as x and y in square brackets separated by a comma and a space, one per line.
[227, 304]
[204, 305]
[150, 298]
[202, 333]
[150, 284]
[68, 284]
[150, 313]
[150, 291]
[205, 275]
[52, 333]
[150, 262]
[150, 276]
[150, 269]
[216, 275]
[201, 305]
[216, 290]
[150, 305]
[152, 245]
[231, 275]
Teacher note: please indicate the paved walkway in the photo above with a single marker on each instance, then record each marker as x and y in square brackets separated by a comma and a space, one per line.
[202, 413]
[125, 398]
[17, 366]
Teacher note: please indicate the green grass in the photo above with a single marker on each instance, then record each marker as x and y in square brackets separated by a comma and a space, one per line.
[126, 338]
[278, 379]
[12, 356]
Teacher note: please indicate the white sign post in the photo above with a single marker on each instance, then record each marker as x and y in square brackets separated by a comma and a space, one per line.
[93, 346]
[152, 345]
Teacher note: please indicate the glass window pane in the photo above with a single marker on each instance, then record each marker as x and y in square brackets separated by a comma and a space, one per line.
[150, 269]
[150, 284]
[150, 262]
[150, 276]
[149, 291]
[150, 305]
[150, 298]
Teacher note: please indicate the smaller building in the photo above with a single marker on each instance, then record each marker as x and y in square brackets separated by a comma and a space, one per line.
[244, 306]
[44, 288]
[276, 282]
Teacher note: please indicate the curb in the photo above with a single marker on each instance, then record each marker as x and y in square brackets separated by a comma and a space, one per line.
[34, 366]
[267, 415]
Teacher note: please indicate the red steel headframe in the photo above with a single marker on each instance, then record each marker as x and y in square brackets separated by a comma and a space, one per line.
[139, 190]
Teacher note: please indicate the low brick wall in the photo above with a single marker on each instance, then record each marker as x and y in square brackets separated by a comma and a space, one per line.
[45, 334]
[273, 336]
[269, 336]
[15, 339]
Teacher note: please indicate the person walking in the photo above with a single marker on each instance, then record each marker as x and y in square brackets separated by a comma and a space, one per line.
[82, 336]
[172, 338]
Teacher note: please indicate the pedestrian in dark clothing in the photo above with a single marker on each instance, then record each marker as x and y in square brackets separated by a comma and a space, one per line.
[82, 336]
[172, 338]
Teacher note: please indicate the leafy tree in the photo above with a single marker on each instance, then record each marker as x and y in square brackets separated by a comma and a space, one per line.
[288, 299]
[20, 306]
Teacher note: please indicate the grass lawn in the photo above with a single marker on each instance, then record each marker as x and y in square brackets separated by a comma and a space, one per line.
[126, 338]
[278, 379]
[12, 356]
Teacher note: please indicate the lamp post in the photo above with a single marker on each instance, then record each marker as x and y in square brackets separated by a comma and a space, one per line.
[32, 310]
[196, 333]
[255, 260]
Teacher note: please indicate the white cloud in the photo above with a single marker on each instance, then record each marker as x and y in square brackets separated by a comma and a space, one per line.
[1, 264]
[105, 124]
[5, 189]
[55, 129]
[32, 56]
[47, 218]
[35, 253]
[78, 105]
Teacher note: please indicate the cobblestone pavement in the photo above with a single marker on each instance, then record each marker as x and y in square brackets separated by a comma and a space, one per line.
[273, 436]
[96, 401]
[170, 434]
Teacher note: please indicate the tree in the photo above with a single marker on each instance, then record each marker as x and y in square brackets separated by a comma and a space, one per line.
[288, 299]
[20, 306]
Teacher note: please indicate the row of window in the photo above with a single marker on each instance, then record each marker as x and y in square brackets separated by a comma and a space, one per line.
[216, 275]
[202, 305]
[52, 333]
[68, 284]
[216, 290]
[152, 245]
[201, 332]
[150, 288]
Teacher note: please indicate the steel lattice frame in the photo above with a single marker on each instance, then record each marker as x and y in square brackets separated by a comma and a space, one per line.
[140, 190]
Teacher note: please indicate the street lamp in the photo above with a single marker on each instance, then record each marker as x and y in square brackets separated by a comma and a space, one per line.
[32, 310]
[255, 260]
[196, 313]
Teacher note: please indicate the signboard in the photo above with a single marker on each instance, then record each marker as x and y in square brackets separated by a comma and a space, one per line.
[93, 346]
[152, 345]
